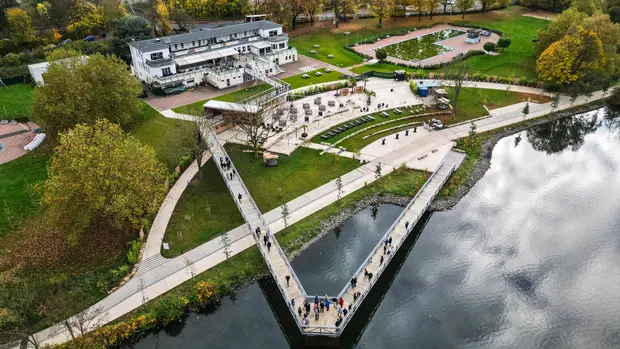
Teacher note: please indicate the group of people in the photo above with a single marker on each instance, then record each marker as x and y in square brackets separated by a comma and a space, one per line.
[415, 129]
[266, 237]
[321, 305]
[225, 163]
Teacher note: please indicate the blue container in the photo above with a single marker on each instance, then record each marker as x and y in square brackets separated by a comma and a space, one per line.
[423, 91]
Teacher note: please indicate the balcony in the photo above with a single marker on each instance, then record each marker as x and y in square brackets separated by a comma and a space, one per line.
[159, 62]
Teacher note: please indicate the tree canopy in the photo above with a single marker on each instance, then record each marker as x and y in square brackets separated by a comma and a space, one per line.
[100, 175]
[134, 27]
[78, 91]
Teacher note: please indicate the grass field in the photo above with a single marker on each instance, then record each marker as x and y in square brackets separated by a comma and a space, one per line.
[471, 99]
[205, 210]
[197, 109]
[297, 81]
[16, 100]
[518, 60]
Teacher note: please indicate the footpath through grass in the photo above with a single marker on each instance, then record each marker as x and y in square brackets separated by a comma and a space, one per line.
[471, 100]
[16, 101]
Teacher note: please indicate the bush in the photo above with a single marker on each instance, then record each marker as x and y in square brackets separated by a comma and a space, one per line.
[170, 308]
[503, 42]
[413, 86]
[134, 251]
[205, 292]
[489, 46]
[381, 54]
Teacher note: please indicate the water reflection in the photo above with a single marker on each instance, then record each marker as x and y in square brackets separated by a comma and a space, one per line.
[528, 259]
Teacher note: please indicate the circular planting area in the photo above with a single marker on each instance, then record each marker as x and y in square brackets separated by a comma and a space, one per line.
[426, 46]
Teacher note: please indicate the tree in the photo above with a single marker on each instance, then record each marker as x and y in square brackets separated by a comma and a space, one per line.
[181, 18]
[163, 17]
[381, 54]
[431, 5]
[339, 187]
[378, 171]
[526, 110]
[341, 8]
[254, 122]
[59, 308]
[489, 46]
[295, 8]
[312, 8]
[464, 6]
[78, 91]
[458, 75]
[419, 6]
[381, 9]
[557, 29]
[85, 18]
[555, 102]
[112, 11]
[609, 33]
[20, 27]
[567, 60]
[400, 8]
[189, 140]
[286, 215]
[612, 8]
[503, 42]
[226, 242]
[101, 177]
[588, 7]
[445, 4]
[4, 5]
[43, 11]
[134, 27]
[487, 4]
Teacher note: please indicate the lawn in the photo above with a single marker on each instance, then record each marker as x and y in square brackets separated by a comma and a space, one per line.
[422, 47]
[298, 81]
[518, 60]
[205, 210]
[471, 100]
[158, 131]
[197, 109]
[16, 101]
[294, 176]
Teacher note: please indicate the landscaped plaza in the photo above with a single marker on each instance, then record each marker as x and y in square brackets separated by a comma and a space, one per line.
[126, 205]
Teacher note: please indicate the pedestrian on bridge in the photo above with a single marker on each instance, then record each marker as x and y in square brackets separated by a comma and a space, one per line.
[268, 246]
[265, 239]
[234, 172]
[341, 302]
[390, 241]
[365, 273]
[381, 260]
[353, 282]
[299, 311]
[327, 303]
[322, 306]
[288, 278]
[406, 224]
[239, 197]
[384, 249]
[316, 299]
[293, 303]
[345, 311]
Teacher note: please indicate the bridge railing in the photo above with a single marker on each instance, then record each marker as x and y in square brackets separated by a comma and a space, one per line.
[386, 235]
[262, 219]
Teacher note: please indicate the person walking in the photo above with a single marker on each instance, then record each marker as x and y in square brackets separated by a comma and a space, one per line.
[390, 241]
[299, 311]
[381, 260]
[239, 197]
[265, 238]
[268, 246]
[397, 136]
[341, 302]
[406, 132]
[327, 304]
[288, 278]
[234, 172]
[355, 297]
[384, 249]
[316, 299]
[383, 141]
[369, 276]
[322, 306]
[339, 311]
[345, 311]
[307, 306]
[293, 303]
[365, 273]
[406, 224]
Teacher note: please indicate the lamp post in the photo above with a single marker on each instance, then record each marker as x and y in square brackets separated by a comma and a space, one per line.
[346, 34]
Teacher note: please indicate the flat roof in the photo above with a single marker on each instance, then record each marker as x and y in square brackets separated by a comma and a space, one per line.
[231, 106]
[260, 44]
[205, 56]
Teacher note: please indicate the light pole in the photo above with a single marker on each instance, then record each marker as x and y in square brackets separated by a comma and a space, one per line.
[346, 34]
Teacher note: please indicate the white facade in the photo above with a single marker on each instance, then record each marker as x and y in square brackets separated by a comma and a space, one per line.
[219, 56]
[38, 69]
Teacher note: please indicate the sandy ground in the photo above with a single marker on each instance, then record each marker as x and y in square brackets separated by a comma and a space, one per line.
[14, 146]
[457, 43]
[541, 15]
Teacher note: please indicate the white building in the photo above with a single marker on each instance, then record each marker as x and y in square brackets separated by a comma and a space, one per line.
[223, 57]
[38, 69]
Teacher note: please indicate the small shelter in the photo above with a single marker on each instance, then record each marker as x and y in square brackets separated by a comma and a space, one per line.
[270, 159]
[473, 36]
[440, 93]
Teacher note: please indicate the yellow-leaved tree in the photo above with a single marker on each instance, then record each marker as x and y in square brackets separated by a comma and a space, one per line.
[20, 27]
[381, 9]
[102, 178]
[163, 17]
[85, 19]
[569, 59]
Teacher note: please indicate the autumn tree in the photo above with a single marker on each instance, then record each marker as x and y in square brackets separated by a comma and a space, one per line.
[188, 139]
[609, 33]
[400, 8]
[588, 7]
[134, 27]
[181, 18]
[567, 60]
[341, 8]
[163, 17]
[85, 19]
[487, 4]
[557, 29]
[431, 5]
[43, 12]
[294, 8]
[313, 7]
[464, 6]
[19, 25]
[82, 91]
[102, 178]
[458, 75]
[112, 11]
[381, 9]
[419, 6]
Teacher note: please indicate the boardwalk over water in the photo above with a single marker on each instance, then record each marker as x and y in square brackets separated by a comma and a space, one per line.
[280, 267]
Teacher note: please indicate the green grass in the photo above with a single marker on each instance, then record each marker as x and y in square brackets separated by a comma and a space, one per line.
[471, 99]
[16, 178]
[518, 60]
[297, 81]
[415, 50]
[16, 101]
[357, 143]
[196, 108]
[380, 67]
[294, 176]
[158, 131]
[205, 210]
[402, 182]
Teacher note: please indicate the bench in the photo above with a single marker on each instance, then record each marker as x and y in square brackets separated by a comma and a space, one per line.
[385, 115]
[325, 136]
[398, 111]
[371, 118]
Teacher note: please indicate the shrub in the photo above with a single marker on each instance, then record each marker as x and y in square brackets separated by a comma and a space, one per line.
[489, 46]
[170, 308]
[503, 42]
[413, 86]
[205, 292]
[381, 54]
[134, 251]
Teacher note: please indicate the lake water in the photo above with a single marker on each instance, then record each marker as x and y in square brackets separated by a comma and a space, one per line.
[527, 259]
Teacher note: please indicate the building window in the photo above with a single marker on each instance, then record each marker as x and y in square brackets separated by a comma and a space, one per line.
[157, 55]
[166, 71]
[281, 45]
[176, 47]
[182, 46]
[193, 43]
[273, 33]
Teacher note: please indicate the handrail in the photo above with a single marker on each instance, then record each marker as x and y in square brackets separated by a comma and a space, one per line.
[384, 266]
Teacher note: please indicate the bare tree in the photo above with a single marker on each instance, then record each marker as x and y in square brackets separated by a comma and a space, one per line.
[59, 309]
[89, 319]
[339, 187]
[190, 140]
[285, 215]
[226, 243]
[258, 122]
[458, 74]
[190, 267]
[378, 171]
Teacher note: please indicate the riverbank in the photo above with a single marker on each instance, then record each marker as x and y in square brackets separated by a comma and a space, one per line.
[478, 159]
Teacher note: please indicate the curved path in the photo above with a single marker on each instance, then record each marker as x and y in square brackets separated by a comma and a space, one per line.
[152, 282]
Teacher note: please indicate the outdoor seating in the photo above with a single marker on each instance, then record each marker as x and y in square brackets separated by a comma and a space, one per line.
[325, 137]
[322, 107]
[398, 111]
[306, 105]
[308, 112]
[4, 122]
[371, 118]
[385, 115]
[331, 103]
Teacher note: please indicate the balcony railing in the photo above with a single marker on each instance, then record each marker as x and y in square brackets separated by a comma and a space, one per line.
[159, 62]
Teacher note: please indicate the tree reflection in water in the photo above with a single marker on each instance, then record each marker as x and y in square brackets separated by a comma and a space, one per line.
[561, 134]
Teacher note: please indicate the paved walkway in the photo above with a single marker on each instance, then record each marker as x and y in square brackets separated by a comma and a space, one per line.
[158, 280]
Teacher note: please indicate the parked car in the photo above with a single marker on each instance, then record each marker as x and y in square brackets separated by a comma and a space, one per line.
[90, 38]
